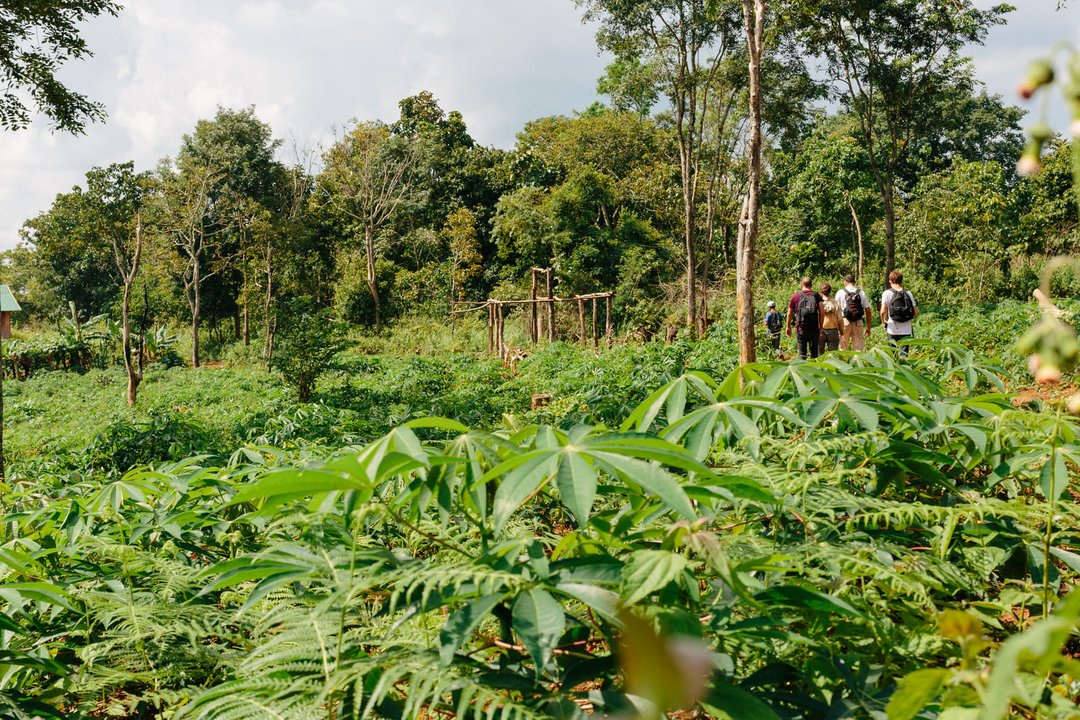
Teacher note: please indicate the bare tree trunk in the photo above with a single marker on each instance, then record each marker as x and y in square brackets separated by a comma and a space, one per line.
[134, 371]
[267, 302]
[754, 23]
[245, 302]
[194, 301]
[888, 196]
[858, 235]
[689, 220]
[369, 251]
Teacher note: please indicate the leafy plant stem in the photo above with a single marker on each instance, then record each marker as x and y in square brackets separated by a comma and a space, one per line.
[433, 538]
[1048, 535]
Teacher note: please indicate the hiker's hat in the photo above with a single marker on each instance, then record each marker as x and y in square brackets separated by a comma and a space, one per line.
[771, 303]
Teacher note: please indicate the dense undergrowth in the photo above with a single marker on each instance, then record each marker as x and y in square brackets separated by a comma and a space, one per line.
[857, 537]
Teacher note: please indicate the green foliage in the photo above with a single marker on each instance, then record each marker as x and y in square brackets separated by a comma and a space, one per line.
[774, 539]
[38, 37]
[22, 358]
[161, 437]
[308, 341]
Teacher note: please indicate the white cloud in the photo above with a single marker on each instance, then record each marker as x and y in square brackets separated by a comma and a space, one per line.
[310, 65]
[306, 66]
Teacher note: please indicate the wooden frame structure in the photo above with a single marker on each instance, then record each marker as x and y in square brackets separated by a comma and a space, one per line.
[542, 314]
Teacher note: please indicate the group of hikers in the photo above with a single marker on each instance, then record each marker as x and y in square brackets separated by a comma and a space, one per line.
[823, 322]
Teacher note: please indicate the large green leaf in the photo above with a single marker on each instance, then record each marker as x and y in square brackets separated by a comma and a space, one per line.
[1054, 477]
[914, 691]
[648, 571]
[521, 483]
[730, 702]
[539, 622]
[576, 481]
[603, 602]
[284, 485]
[651, 477]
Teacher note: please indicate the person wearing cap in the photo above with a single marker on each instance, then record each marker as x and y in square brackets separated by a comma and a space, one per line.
[773, 323]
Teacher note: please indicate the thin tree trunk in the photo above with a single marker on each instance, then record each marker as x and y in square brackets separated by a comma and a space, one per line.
[268, 303]
[133, 378]
[689, 220]
[134, 372]
[858, 235]
[194, 298]
[888, 196]
[369, 251]
[754, 23]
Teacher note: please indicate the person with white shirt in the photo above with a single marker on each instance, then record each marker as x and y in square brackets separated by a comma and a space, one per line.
[855, 307]
[898, 310]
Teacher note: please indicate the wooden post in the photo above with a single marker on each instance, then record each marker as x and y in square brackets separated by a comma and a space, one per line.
[502, 326]
[607, 319]
[490, 327]
[551, 308]
[581, 321]
[534, 330]
[595, 321]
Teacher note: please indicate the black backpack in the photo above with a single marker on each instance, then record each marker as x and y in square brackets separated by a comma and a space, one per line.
[807, 310]
[772, 321]
[853, 307]
[901, 306]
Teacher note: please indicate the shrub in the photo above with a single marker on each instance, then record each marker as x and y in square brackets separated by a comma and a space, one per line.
[164, 436]
[308, 341]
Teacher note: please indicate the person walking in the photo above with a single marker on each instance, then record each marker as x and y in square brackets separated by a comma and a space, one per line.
[898, 309]
[804, 310]
[773, 325]
[831, 321]
[855, 307]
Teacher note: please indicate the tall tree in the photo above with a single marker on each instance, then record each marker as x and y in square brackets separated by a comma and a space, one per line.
[367, 177]
[242, 147]
[829, 195]
[891, 61]
[36, 37]
[71, 258]
[186, 198]
[685, 42]
[754, 25]
[117, 194]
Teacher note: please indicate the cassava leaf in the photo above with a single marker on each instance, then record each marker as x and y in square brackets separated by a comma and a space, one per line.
[648, 571]
[539, 622]
[576, 481]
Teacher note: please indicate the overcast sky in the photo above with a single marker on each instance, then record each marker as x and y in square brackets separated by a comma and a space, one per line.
[309, 65]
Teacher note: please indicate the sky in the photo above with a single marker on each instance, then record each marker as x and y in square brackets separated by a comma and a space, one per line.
[310, 66]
